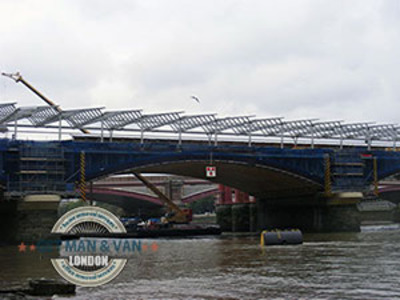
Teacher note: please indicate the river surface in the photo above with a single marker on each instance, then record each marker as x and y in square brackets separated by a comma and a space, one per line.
[327, 266]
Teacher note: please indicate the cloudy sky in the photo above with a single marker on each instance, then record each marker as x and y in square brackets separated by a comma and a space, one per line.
[298, 59]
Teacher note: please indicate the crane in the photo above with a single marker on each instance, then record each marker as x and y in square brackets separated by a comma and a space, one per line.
[17, 77]
[180, 216]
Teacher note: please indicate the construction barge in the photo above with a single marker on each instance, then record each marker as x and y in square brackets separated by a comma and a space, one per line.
[180, 230]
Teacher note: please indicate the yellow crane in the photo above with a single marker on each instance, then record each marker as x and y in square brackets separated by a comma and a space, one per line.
[17, 77]
[180, 216]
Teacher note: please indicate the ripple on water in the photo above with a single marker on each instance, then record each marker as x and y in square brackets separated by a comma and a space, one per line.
[348, 266]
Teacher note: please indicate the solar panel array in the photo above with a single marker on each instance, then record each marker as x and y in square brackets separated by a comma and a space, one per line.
[209, 124]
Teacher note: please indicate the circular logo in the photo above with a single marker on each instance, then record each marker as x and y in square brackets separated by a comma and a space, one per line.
[86, 261]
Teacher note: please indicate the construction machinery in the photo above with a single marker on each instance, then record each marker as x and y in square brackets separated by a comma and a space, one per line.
[176, 215]
[17, 77]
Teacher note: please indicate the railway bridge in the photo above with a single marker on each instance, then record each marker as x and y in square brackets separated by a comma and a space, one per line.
[305, 173]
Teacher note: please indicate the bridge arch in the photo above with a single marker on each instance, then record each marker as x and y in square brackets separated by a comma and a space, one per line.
[260, 170]
[133, 201]
[128, 200]
[259, 180]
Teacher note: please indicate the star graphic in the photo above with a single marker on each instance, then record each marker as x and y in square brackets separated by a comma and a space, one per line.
[154, 246]
[22, 247]
[32, 247]
[145, 247]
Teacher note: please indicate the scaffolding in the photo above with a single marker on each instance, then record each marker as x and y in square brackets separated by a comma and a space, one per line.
[41, 169]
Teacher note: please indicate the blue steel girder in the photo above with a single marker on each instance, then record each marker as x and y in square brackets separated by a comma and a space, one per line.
[388, 164]
[305, 164]
[109, 158]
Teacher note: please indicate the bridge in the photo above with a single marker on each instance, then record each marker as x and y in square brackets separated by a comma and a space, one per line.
[136, 199]
[262, 171]
[311, 182]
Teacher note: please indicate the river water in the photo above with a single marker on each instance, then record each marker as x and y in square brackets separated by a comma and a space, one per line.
[363, 266]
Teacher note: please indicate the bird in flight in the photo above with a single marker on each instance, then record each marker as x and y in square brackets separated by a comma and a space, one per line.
[195, 99]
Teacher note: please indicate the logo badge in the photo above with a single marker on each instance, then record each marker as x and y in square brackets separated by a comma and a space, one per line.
[86, 261]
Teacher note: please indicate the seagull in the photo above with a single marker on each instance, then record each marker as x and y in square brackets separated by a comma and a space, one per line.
[195, 99]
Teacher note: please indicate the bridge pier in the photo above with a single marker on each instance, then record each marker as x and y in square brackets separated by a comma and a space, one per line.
[238, 214]
[241, 217]
[224, 217]
[315, 214]
[28, 219]
[253, 217]
[37, 215]
[8, 221]
[237, 217]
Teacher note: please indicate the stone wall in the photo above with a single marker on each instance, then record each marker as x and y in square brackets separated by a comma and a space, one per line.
[36, 216]
[29, 219]
[8, 221]
[335, 214]
[238, 217]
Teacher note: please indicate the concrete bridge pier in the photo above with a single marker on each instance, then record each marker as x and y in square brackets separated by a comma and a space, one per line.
[8, 221]
[224, 208]
[35, 217]
[241, 217]
[238, 214]
[237, 217]
[224, 217]
[338, 213]
[253, 217]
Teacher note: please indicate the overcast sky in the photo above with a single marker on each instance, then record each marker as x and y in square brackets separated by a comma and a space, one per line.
[298, 59]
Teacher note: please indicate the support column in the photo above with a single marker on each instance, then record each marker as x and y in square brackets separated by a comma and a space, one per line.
[227, 195]
[224, 209]
[238, 214]
[338, 213]
[221, 194]
[36, 216]
[241, 212]
[224, 217]
[286, 217]
[8, 221]
[252, 217]
[241, 217]
[241, 197]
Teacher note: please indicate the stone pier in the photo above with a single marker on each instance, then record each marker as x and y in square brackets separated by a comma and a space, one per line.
[37, 215]
[241, 217]
[338, 213]
[224, 217]
[237, 217]
[253, 217]
[29, 219]
[312, 213]
[8, 221]
[236, 212]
